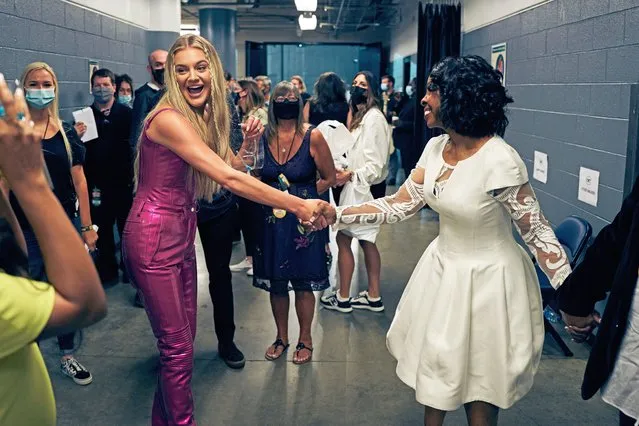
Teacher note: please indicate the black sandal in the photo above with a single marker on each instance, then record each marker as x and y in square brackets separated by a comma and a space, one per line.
[276, 344]
[300, 347]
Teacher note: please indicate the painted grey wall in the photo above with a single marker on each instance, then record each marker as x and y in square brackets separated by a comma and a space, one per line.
[570, 66]
[160, 40]
[67, 37]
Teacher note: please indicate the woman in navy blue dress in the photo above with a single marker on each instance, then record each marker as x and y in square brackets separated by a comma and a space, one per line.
[287, 256]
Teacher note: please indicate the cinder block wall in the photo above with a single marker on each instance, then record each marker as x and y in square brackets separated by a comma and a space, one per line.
[67, 37]
[570, 66]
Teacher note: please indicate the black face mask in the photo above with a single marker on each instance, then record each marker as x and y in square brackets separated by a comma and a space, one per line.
[287, 110]
[358, 95]
[158, 76]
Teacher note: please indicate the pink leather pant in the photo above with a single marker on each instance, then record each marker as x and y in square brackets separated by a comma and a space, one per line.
[159, 251]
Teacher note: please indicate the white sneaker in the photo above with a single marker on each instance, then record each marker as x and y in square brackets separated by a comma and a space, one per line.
[245, 264]
[249, 272]
[328, 293]
[76, 371]
[362, 301]
[334, 304]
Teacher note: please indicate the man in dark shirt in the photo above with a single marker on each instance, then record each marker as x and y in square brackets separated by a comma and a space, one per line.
[403, 128]
[146, 97]
[217, 226]
[109, 170]
[392, 101]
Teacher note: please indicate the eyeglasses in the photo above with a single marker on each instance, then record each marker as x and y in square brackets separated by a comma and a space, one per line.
[286, 98]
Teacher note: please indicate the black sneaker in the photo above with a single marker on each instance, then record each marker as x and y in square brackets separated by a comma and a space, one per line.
[363, 302]
[231, 355]
[331, 302]
[72, 368]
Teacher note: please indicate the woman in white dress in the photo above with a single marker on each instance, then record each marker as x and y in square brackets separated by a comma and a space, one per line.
[469, 327]
[363, 180]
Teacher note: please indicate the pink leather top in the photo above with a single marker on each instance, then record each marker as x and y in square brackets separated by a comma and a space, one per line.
[163, 175]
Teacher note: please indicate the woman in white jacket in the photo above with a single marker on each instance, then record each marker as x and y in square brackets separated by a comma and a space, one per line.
[363, 180]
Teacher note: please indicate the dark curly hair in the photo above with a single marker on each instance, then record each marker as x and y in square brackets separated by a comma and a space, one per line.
[473, 99]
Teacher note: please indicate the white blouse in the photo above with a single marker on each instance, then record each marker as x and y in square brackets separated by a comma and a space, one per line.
[368, 158]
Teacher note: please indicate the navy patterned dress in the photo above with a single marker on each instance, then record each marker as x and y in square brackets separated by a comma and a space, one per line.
[287, 257]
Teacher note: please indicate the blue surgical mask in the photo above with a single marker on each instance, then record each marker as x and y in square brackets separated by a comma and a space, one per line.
[409, 90]
[125, 100]
[384, 87]
[103, 95]
[40, 98]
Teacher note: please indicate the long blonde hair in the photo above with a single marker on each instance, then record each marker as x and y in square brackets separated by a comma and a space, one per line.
[53, 108]
[216, 133]
[301, 82]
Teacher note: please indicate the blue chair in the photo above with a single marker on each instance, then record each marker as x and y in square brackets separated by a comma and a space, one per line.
[573, 233]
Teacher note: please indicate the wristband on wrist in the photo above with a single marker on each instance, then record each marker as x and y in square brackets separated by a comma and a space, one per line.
[86, 228]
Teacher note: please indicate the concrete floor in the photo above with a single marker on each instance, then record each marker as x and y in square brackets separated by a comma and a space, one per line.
[350, 381]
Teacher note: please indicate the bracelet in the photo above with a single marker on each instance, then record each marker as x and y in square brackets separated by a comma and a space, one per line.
[87, 228]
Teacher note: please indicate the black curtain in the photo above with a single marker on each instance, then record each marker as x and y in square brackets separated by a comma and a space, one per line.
[438, 36]
[255, 59]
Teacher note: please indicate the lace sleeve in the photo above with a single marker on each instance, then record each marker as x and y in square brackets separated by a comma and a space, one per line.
[522, 204]
[391, 209]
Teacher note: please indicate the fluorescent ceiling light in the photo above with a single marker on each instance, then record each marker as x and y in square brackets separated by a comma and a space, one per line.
[308, 23]
[306, 5]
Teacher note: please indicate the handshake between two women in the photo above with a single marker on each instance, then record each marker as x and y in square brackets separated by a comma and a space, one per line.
[323, 216]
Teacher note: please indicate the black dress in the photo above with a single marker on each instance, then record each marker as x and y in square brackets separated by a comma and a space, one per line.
[285, 253]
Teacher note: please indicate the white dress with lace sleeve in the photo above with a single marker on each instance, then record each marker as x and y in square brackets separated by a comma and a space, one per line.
[469, 325]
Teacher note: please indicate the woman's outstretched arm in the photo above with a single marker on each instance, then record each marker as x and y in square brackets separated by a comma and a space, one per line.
[391, 209]
[174, 131]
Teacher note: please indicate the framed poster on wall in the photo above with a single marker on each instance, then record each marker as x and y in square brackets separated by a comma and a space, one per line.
[93, 67]
[498, 59]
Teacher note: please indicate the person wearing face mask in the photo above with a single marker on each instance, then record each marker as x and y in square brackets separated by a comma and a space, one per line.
[124, 90]
[250, 105]
[147, 96]
[363, 180]
[64, 156]
[403, 127]
[109, 171]
[287, 256]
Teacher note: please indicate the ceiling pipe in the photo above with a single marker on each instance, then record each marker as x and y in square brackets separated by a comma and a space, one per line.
[339, 14]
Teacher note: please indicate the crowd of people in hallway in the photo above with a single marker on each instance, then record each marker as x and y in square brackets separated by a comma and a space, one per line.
[195, 151]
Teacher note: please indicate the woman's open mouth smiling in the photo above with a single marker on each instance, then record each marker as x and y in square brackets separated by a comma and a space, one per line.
[195, 90]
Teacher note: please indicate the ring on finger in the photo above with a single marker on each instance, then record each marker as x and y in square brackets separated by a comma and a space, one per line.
[3, 112]
[21, 116]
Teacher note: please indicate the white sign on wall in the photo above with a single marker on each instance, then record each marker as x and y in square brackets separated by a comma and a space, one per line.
[498, 59]
[540, 167]
[588, 186]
